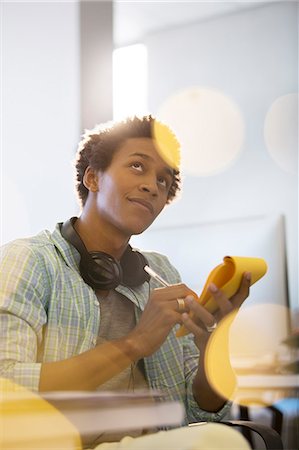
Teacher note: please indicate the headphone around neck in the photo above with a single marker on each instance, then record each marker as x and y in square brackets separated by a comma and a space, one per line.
[101, 270]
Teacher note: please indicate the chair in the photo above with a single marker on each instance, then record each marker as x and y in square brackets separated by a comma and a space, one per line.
[270, 437]
[244, 415]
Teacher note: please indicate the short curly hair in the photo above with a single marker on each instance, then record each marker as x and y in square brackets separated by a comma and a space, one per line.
[98, 146]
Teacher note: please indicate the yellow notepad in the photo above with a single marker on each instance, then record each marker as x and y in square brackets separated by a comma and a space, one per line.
[227, 277]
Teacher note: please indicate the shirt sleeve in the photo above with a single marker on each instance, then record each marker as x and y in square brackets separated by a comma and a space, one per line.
[22, 314]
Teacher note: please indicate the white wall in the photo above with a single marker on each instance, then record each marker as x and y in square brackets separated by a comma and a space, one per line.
[96, 47]
[252, 56]
[40, 114]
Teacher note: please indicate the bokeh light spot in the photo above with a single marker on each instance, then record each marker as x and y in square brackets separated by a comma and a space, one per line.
[256, 335]
[216, 362]
[209, 127]
[167, 144]
[281, 132]
[253, 348]
[28, 422]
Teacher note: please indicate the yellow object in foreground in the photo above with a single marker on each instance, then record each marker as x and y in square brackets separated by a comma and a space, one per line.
[28, 422]
[227, 277]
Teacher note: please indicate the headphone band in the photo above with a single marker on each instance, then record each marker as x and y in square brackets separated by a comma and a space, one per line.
[101, 270]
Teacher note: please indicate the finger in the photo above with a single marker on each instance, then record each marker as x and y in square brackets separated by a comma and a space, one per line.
[199, 312]
[224, 304]
[181, 305]
[192, 327]
[243, 291]
[174, 291]
[178, 305]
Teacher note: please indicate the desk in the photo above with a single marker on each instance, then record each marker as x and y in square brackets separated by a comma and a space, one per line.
[268, 388]
[281, 391]
[27, 421]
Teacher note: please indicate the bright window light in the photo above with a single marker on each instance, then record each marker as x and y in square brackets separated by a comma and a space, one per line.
[129, 81]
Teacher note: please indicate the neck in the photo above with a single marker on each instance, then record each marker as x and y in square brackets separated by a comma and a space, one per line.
[97, 236]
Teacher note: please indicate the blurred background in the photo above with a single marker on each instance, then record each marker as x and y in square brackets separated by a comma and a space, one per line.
[223, 74]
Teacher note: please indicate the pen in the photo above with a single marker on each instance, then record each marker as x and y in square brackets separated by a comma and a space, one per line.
[152, 273]
[157, 277]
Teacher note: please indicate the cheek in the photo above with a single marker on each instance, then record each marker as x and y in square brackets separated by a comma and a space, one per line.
[162, 203]
[109, 195]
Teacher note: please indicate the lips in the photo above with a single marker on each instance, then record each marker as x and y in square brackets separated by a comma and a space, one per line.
[144, 203]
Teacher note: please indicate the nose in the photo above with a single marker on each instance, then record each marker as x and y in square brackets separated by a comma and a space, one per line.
[149, 185]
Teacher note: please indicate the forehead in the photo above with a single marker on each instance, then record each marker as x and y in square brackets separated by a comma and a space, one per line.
[144, 148]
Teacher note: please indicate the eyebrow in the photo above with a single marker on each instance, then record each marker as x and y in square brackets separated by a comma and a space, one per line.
[148, 157]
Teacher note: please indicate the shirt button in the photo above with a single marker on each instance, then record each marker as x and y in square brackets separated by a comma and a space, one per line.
[94, 341]
[96, 303]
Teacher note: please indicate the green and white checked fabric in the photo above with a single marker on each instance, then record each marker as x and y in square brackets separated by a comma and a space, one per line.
[48, 313]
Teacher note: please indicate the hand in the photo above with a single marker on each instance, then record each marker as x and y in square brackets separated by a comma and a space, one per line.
[158, 318]
[201, 318]
[206, 394]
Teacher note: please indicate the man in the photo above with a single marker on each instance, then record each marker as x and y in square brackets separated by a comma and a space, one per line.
[77, 309]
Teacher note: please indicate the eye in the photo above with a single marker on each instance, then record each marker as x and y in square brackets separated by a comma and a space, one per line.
[137, 166]
[162, 181]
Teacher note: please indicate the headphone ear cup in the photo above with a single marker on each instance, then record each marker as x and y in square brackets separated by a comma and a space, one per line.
[132, 263]
[98, 269]
[101, 271]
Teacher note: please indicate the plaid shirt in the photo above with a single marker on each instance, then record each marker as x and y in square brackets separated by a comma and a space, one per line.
[48, 313]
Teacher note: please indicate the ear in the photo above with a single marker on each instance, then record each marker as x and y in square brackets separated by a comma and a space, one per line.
[91, 179]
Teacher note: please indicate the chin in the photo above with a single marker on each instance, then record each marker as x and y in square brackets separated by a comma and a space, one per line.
[139, 229]
[136, 233]
[134, 225]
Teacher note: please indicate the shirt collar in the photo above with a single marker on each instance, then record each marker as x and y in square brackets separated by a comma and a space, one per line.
[69, 253]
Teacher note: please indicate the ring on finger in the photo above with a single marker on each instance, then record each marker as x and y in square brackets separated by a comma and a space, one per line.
[181, 304]
[211, 328]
